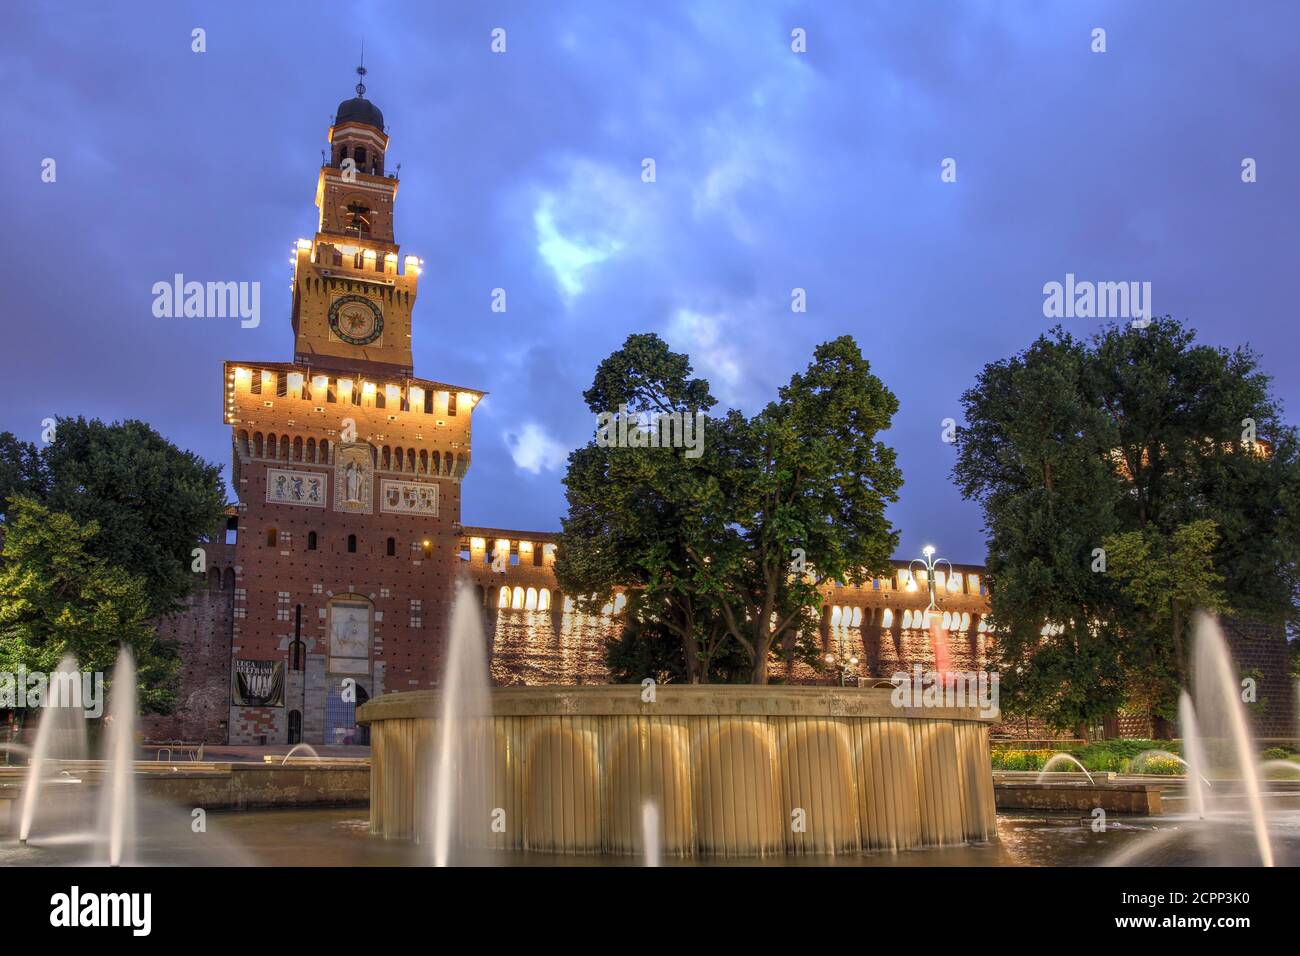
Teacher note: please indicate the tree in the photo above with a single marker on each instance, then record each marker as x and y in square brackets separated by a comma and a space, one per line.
[636, 514]
[21, 470]
[806, 477]
[57, 598]
[150, 501]
[1072, 444]
[1165, 577]
[708, 541]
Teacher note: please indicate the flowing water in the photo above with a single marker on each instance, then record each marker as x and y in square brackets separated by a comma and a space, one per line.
[459, 813]
[61, 735]
[117, 794]
[295, 748]
[1054, 759]
[1217, 742]
[650, 833]
[1195, 750]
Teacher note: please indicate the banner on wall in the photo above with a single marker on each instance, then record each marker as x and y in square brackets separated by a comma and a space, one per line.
[259, 683]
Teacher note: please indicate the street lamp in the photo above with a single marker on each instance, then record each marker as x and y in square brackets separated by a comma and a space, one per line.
[929, 562]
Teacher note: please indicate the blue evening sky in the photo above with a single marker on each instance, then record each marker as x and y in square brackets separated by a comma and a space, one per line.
[522, 170]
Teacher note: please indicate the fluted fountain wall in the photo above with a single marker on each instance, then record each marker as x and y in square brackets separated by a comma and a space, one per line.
[732, 770]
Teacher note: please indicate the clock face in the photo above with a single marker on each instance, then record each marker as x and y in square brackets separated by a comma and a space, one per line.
[356, 320]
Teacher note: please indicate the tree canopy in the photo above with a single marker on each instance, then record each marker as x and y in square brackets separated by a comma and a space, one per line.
[1097, 461]
[707, 542]
[149, 501]
[56, 598]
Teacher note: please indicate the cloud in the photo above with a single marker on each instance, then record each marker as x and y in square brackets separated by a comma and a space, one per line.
[713, 356]
[534, 450]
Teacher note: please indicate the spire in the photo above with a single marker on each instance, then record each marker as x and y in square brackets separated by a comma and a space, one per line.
[361, 71]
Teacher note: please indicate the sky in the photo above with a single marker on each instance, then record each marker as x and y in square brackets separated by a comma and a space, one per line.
[774, 170]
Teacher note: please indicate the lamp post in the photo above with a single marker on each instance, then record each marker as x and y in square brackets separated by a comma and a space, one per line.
[844, 665]
[928, 562]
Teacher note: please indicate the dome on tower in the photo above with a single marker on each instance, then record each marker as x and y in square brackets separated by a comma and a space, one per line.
[359, 110]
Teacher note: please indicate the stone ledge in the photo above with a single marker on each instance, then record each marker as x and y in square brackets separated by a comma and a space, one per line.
[687, 700]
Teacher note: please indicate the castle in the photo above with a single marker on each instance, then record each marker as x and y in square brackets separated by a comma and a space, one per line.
[334, 577]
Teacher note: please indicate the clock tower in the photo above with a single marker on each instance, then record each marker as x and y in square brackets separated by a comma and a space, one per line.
[348, 468]
[351, 302]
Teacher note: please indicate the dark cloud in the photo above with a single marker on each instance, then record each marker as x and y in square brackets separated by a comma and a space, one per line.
[523, 171]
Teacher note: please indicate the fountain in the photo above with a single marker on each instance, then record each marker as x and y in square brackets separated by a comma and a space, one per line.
[650, 833]
[730, 770]
[295, 748]
[117, 795]
[61, 735]
[1215, 739]
[460, 759]
[1196, 765]
[1221, 718]
[1054, 759]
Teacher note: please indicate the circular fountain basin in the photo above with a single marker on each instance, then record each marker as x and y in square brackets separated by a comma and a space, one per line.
[731, 770]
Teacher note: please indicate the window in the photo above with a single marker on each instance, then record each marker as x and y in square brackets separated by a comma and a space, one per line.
[311, 540]
[232, 529]
[451, 403]
[428, 401]
[392, 547]
[282, 606]
[295, 726]
[352, 544]
[272, 536]
[428, 549]
[417, 614]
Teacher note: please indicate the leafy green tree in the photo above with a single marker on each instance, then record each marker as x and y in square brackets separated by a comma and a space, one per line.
[806, 478]
[57, 598]
[1035, 454]
[709, 541]
[637, 515]
[1071, 444]
[21, 470]
[150, 501]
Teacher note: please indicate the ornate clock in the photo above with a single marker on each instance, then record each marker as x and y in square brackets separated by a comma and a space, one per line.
[356, 320]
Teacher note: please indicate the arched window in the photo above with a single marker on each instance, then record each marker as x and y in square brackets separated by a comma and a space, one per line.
[272, 536]
[297, 448]
[352, 544]
[214, 579]
[392, 547]
[503, 600]
[311, 540]
[517, 599]
[544, 599]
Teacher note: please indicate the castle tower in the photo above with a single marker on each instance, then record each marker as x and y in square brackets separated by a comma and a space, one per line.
[348, 473]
